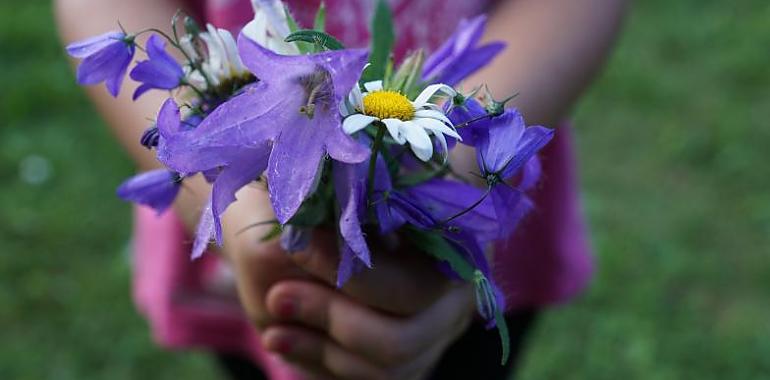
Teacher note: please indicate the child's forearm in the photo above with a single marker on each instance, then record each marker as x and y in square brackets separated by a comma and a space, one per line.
[555, 48]
[127, 119]
[79, 19]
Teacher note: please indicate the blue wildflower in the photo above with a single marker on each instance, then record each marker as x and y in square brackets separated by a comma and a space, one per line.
[508, 146]
[105, 59]
[156, 189]
[161, 71]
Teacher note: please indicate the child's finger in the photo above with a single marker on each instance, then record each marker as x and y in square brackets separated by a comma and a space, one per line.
[316, 353]
[402, 283]
[384, 339]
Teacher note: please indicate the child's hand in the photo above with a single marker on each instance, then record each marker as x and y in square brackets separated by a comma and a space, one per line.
[392, 322]
[257, 264]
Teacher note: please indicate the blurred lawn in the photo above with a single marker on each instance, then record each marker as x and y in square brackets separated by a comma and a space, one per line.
[674, 154]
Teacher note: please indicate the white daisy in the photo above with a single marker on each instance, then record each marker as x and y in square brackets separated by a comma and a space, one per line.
[222, 62]
[268, 28]
[406, 120]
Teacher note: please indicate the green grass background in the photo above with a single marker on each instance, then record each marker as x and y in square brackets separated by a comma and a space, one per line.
[674, 148]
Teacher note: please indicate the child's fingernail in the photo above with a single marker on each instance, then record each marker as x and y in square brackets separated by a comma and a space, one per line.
[288, 308]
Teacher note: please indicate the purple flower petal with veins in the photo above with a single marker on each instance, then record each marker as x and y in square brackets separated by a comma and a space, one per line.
[320, 81]
[156, 189]
[247, 166]
[205, 231]
[509, 144]
[161, 71]
[105, 59]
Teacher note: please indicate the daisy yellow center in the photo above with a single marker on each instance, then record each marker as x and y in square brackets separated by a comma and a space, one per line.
[388, 105]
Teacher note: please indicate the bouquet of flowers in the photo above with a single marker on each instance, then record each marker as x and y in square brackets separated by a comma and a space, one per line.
[340, 137]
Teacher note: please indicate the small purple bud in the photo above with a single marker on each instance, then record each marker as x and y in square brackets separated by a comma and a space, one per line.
[150, 137]
[294, 239]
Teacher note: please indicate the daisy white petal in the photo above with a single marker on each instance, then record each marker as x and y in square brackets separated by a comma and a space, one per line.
[431, 90]
[418, 139]
[444, 148]
[373, 86]
[438, 127]
[433, 114]
[357, 98]
[345, 110]
[395, 127]
[356, 122]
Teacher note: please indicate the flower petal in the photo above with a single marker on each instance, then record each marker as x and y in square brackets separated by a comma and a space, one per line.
[510, 206]
[350, 186]
[498, 145]
[293, 169]
[156, 189]
[373, 86]
[430, 91]
[89, 46]
[418, 139]
[438, 127]
[433, 114]
[246, 168]
[356, 122]
[394, 129]
[204, 232]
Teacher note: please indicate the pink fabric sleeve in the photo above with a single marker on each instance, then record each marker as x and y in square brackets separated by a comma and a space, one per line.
[185, 301]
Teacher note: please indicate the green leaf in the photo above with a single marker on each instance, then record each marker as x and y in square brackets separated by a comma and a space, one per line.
[303, 47]
[435, 245]
[407, 79]
[315, 37]
[382, 42]
[293, 26]
[320, 18]
[274, 233]
[505, 340]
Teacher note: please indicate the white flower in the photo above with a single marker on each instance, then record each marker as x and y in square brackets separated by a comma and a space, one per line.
[223, 61]
[406, 120]
[270, 27]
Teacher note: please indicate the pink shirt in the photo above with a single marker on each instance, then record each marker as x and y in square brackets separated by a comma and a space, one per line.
[189, 304]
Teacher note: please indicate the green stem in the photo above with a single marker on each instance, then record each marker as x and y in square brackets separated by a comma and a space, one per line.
[376, 146]
[471, 207]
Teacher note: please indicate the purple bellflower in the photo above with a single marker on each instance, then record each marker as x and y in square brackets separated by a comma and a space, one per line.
[285, 124]
[105, 59]
[310, 125]
[460, 56]
[156, 189]
[161, 71]
[508, 147]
